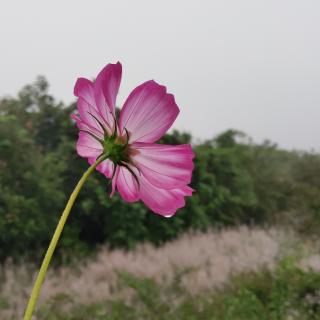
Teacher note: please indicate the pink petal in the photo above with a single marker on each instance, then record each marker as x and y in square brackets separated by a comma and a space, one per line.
[87, 146]
[85, 127]
[114, 182]
[165, 166]
[163, 202]
[106, 90]
[108, 83]
[105, 167]
[99, 98]
[127, 185]
[148, 112]
[90, 115]
[186, 191]
[84, 89]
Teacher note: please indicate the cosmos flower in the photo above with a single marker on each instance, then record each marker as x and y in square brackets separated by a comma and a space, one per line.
[140, 169]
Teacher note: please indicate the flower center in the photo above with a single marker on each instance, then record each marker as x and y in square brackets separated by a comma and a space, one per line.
[117, 149]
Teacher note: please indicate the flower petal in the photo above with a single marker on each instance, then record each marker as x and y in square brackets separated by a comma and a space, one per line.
[90, 115]
[186, 191]
[105, 91]
[99, 98]
[84, 89]
[85, 127]
[105, 167]
[160, 201]
[87, 146]
[108, 83]
[165, 166]
[148, 113]
[127, 185]
[114, 182]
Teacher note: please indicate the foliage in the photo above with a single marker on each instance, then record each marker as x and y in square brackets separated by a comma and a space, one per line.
[287, 293]
[236, 181]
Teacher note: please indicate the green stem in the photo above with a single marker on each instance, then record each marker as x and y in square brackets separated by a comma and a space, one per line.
[46, 261]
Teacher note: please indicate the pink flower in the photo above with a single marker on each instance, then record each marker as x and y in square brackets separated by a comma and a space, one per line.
[139, 168]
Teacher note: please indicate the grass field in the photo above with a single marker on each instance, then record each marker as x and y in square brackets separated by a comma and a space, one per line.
[232, 274]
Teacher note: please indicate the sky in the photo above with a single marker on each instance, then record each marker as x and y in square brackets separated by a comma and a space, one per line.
[251, 65]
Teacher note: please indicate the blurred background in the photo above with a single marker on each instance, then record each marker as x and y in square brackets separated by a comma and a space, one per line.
[246, 76]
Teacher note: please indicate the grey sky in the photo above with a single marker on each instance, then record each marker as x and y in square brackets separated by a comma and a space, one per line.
[252, 65]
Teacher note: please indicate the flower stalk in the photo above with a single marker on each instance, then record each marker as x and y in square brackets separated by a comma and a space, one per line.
[54, 241]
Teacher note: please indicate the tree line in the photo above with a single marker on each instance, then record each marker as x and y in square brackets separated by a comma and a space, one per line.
[236, 180]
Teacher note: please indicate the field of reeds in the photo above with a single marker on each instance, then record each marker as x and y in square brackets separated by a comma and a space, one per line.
[198, 276]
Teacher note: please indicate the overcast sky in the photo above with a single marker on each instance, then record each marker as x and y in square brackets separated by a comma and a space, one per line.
[252, 65]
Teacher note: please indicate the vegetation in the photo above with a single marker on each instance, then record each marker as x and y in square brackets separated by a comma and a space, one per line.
[287, 293]
[267, 275]
[236, 182]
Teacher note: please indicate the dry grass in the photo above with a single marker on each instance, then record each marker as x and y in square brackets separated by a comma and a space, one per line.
[205, 261]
